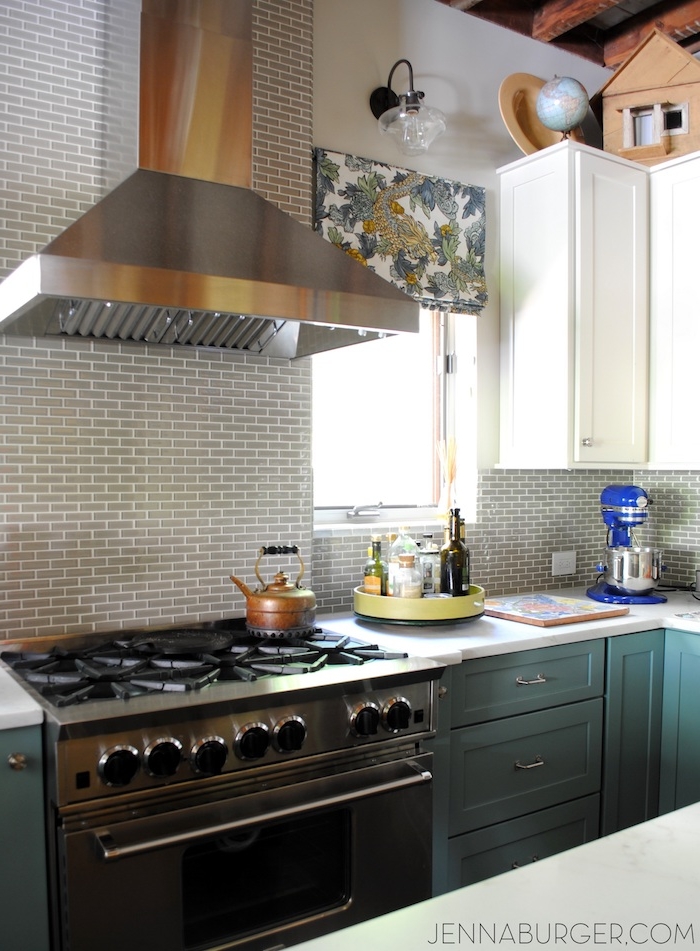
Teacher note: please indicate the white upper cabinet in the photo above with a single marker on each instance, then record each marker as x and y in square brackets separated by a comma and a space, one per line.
[574, 310]
[674, 437]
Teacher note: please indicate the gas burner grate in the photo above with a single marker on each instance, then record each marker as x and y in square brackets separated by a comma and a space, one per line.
[183, 660]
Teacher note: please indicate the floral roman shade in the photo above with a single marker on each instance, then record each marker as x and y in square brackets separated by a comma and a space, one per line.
[424, 234]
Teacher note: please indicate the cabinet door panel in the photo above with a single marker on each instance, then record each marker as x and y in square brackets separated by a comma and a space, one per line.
[23, 895]
[508, 845]
[536, 288]
[492, 687]
[680, 735]
[574, 301]
[675, 209]
[612, 323]
[632, 729]
[510, 767]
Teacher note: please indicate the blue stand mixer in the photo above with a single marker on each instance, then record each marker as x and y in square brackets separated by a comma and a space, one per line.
[631, 572]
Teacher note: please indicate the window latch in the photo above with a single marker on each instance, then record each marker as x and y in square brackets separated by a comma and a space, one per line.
[365, 511]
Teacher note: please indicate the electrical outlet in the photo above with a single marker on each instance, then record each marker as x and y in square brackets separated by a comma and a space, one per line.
[563, 563]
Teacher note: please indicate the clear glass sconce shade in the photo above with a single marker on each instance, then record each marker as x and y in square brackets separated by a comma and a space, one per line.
[413, 126]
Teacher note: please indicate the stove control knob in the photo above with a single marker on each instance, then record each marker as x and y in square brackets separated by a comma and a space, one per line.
[252, 741]
[396, 715]
[289, 735]
[365, 720]
[208, 756]
[118, 765]
[163, 756]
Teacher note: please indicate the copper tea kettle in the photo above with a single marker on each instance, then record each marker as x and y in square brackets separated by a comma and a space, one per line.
[280, 608]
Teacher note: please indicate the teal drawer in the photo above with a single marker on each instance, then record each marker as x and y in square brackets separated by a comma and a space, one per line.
[507, 768]
[491, 687]
[508, 845]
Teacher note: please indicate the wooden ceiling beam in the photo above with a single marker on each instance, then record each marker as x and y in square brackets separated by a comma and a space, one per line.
[511, 14]
[679, 19]
[556, 17]
[462, 4]
[571, 24]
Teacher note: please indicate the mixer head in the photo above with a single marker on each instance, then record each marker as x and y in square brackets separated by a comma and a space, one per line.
[624, 508]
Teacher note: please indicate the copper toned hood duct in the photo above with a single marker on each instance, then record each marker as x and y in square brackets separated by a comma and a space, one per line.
[182, 251]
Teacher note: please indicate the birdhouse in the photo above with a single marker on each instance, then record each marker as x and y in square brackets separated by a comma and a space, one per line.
[651, 105]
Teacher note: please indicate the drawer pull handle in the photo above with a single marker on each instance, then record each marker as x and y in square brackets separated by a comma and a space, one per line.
[538, 762]
[539, 679]
[535, 858]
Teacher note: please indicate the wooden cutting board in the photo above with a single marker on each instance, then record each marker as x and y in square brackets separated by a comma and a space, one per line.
[547, 610]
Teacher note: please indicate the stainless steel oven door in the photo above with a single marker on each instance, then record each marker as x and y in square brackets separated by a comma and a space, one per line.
[255, 869]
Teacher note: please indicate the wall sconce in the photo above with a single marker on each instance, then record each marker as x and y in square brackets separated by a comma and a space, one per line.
[413, 125]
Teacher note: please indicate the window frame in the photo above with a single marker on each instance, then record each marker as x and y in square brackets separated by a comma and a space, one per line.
[455, 375]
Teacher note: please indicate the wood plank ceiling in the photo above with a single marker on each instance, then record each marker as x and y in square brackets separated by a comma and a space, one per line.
[603, 31]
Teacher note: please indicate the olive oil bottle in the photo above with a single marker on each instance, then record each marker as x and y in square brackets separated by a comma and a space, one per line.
[375, 568]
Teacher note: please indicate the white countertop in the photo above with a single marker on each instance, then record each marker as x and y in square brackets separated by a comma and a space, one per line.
[17, 708]
[487, 636]
[635, 887]
[450, 644]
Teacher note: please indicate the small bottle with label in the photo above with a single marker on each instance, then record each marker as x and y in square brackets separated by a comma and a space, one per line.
[375, 568]
[430, 565]
[409, 581]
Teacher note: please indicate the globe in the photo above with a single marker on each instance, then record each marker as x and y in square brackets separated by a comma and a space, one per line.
[562, 104]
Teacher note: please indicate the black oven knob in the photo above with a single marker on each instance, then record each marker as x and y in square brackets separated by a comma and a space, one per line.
[252, 741]
[118, 765]
[396, 715]
[365, 720]
[289, 735]
[208, 756]
[163, 757]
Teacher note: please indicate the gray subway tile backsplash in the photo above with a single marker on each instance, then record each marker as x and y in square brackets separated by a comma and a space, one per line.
[136, 479]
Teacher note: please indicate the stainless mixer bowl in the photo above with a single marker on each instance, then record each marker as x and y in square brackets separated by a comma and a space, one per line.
[634, 570]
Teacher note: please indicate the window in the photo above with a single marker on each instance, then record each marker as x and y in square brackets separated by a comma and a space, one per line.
[380, 410]
[645, 125]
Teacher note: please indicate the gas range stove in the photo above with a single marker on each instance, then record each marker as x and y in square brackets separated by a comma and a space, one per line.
[137, 711]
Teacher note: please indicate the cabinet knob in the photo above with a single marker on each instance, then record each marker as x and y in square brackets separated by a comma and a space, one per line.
[17, 761]
[587, 442]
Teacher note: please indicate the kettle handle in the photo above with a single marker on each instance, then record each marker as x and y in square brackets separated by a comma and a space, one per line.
[279, 550]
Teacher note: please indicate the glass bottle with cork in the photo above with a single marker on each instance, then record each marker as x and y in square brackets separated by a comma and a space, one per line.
[408, 582]
[402, 545]
[454, 560]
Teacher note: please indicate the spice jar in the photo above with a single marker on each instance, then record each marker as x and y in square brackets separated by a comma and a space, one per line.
[409, 580]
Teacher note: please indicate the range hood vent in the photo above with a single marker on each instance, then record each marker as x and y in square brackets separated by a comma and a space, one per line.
[183, 252]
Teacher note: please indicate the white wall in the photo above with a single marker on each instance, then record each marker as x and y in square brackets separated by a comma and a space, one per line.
[459, 62]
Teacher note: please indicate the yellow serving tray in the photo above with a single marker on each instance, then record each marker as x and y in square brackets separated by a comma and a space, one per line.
[419, 610]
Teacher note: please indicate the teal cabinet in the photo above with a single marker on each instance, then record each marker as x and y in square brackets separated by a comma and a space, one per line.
[632, 743]
[519, 842]
[519, 750]
[680, 736]
[506, 768]
[23, 888]
[489, 688]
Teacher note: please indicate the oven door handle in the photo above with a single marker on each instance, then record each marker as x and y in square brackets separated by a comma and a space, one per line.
[109, 850]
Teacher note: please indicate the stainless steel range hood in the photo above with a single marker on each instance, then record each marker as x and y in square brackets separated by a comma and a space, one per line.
[183, 252]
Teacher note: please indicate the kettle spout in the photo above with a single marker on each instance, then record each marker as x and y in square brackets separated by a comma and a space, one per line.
[243, 586]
